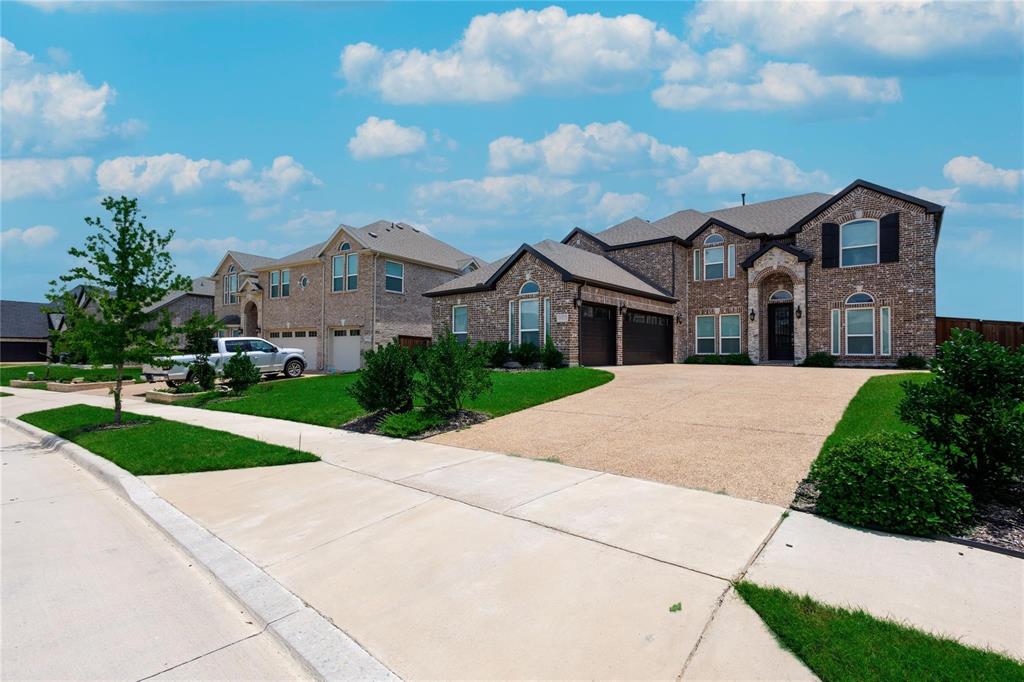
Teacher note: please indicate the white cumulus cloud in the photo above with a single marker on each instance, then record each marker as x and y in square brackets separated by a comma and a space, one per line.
[973, 171]
[379, 138]
[284, 175]
[507, 194]
[572, 149]
[778, 86]
[895, 30]
[744, 171]
[311, 221]
[613, 206]
[163, 172]
[33, 237]
[41, 177]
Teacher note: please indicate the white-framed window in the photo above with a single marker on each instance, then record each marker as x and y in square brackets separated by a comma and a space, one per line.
[275, 284]
[780, 296]
[732, 260]
[837, 337]
[547, 319]
[338, 273]
[729, 334]
[511, 321]
[696, 265]
[714, 257]
[345, 271]
[859, 297]
[858, 243]
[231, 285]
[394, 276]
[705, 335]
[351, 272]
[529, 321]
[345, 246]
[860, 331]
[885, 330]
[286, 283]
[460, 323]
[529, 287]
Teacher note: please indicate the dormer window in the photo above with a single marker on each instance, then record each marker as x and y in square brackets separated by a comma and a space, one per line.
[858, 243]
[529, 287]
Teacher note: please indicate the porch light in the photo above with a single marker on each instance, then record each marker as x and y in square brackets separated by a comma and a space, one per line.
[577, 301]
[752, 315]
[798, 312]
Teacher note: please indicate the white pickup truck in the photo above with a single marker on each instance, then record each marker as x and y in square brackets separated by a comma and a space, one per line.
[267, 357]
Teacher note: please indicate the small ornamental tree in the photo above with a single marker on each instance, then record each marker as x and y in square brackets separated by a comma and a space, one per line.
[240, 373]
[386, 381]
[199, 331]
[452, 373]
[972, 412]
[126, 269]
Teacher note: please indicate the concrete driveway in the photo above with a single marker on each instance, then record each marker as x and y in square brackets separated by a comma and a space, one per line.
[749, 432]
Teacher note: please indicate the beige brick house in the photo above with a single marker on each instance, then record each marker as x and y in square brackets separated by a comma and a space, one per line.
[357, 290]
[850, 274]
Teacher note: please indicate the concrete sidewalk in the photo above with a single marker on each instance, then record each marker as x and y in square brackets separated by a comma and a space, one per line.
[90, 591]
[445, 562]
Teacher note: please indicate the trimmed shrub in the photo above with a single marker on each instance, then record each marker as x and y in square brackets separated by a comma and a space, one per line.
[451, 374]
[819, 359]
[386, 381]
[526, 354]
[407, 424]
[240, 373]
[188, 388]
[888, 481]
[551, 356]
[912, 361]
[198, 332]
[729, 359]
[972, 411]
[496, 353]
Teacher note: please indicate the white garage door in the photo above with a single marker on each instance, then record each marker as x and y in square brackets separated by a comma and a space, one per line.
[306, 340]
[345, 355]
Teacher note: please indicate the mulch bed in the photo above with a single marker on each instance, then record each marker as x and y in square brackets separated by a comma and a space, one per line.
[1000, 520]
[370, 423]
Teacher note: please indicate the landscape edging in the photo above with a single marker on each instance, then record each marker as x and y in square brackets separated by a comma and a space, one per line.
[317, 645]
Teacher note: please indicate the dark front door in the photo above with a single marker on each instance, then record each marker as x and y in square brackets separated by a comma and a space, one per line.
[646, 338]
[597, 335]
[780, 331]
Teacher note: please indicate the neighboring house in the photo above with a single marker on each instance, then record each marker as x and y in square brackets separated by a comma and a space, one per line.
[850, 274]
[24, 332]
[357, 290]
[181, 305]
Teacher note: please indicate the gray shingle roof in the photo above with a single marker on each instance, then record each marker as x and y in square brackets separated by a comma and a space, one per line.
[772, 217]
[404, 241]
[308, 253]
[201, 286]
[250, 261]
[682, 223]
[628, 231]
[23, 320]
[579, 263]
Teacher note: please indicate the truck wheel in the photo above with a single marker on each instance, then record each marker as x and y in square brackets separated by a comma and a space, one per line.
[293, 368]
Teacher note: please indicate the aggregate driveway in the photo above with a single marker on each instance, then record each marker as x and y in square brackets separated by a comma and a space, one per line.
[749, 432]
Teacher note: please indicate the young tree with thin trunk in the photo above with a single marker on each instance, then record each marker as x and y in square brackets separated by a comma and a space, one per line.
[126, 269]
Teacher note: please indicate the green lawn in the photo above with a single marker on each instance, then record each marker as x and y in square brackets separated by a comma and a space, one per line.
[3, 394]
[874, 408]
[325, 401]
[157, 446]
[840, 645]
[58, 372]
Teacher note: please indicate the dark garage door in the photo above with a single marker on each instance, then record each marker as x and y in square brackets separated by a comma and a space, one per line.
[22, 351]
[646, 338]
[597, 335]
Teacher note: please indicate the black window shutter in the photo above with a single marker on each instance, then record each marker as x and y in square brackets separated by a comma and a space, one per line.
[889, 238]
[829, 245]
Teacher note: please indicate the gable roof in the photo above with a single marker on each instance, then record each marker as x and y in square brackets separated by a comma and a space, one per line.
[201, 286]
[406, 242]
[771, 217]
[23, 320]
[681, 223]
[801, 255]
[575, 265]
[309, 253]
[631, 231]
[249, 261]
[929, 207]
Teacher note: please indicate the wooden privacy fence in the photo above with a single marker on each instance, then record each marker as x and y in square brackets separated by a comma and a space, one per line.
[1009, 334]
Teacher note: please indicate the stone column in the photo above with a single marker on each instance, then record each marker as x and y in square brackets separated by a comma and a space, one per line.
[753, 328]
[800, 326]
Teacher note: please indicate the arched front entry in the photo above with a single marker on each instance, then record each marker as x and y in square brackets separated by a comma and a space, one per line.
[778, 322]
[250, 320]
[777, 308]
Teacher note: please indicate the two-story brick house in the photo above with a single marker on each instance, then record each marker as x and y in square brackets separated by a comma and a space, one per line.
[850, 274]
[357, 290]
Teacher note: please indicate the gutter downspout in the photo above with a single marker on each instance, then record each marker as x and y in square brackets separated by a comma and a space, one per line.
[323, 312]
[373, 306]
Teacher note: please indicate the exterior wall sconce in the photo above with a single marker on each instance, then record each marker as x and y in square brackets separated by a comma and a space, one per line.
[752, 315]
[577, 302]
[622, 308]
[679, 318]
[799, 313]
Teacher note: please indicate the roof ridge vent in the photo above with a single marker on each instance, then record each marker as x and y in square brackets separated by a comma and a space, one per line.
[372, 234]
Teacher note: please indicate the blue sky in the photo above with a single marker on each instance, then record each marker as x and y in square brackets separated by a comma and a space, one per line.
[259, 127]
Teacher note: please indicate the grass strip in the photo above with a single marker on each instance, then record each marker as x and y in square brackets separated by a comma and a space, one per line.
[875, 408]
[149, 445]
[65, 373]
[840, 645]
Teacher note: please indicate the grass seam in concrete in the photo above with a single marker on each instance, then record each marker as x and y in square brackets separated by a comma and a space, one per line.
[320, 647]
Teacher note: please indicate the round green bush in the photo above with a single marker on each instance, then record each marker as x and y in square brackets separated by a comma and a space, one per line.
[819, 359]
[912, 361]
[888, 481]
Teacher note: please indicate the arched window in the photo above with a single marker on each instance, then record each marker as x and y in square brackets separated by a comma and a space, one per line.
[231, 268]
[714, 239]
[780, 296]
[859, 297]
[529, 287]
[345, 246]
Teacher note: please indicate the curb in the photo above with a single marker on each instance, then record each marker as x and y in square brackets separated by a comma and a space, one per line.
[318, 646]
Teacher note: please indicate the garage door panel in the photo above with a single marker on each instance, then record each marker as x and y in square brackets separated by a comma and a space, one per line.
[597, 335]
[346, 347]
[308, 344]
[646, 338]
[23, 351]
